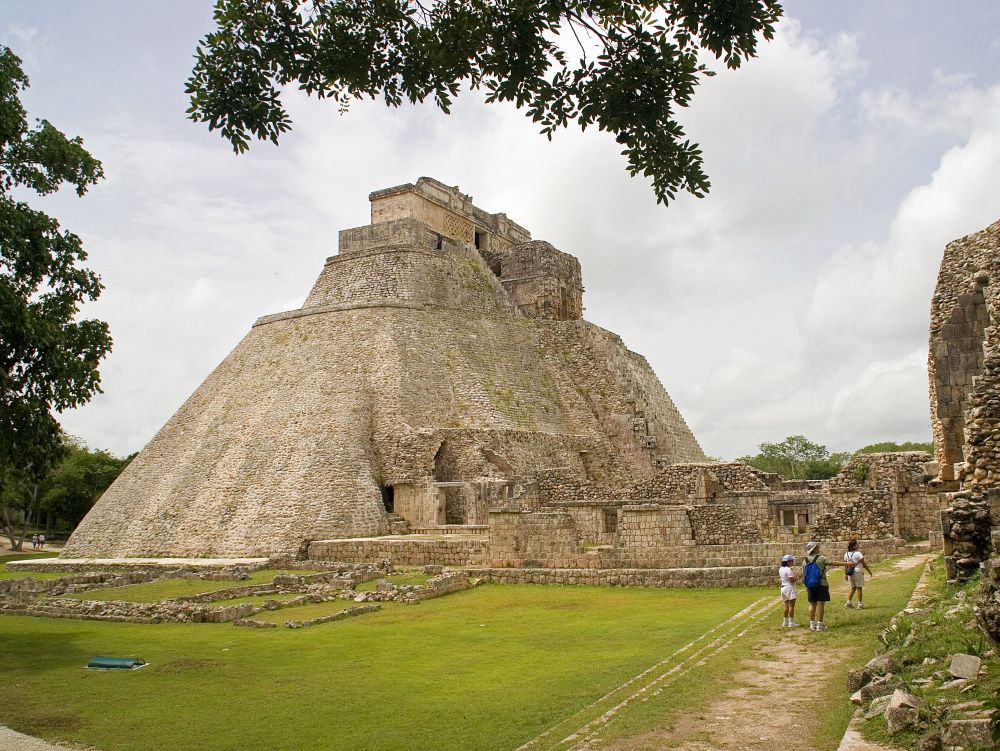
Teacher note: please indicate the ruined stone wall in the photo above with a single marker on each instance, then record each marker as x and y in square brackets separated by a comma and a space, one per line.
[749, 565]
[890, 471]
[964, 360]
[678, 483]
[869, 516]
[903, 476]
[700, 481]
[726, 524]
[543, 282]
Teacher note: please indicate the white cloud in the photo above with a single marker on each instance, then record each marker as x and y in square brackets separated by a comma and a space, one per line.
[793, 299]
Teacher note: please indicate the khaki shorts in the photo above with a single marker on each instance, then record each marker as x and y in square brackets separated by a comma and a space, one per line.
[858, 578]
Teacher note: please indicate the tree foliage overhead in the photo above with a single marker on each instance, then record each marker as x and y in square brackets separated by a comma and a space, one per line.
[893, 446]
[48, 359]
[622, 66]
[798, 458]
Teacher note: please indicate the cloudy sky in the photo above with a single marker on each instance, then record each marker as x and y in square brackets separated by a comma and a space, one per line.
[793, 299]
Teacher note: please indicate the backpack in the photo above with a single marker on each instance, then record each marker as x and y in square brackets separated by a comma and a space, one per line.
[812, 574]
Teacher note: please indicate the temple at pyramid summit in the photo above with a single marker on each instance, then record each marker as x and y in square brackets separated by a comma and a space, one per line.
[439, 368]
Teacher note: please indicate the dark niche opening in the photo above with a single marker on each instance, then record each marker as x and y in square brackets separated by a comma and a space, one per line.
[388, 498]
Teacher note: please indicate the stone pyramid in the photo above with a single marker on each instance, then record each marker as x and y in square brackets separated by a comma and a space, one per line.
[439, 364]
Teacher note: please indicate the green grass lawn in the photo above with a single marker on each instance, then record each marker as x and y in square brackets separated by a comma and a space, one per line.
[7, 558]
[856, 631]
[484, 669]
[163, 589]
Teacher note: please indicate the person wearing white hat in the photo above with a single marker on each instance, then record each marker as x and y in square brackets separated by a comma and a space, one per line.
[788, 592]
[817, 586]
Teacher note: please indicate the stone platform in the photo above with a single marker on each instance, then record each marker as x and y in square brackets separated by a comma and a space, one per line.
[71, 565]
[405, 550]
[738, 565]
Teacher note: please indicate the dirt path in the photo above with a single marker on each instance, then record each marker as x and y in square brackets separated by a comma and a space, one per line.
[747, 716]
[14, 741]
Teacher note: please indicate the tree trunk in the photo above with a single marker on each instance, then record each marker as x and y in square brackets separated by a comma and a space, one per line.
[29, 512]
[8, 528]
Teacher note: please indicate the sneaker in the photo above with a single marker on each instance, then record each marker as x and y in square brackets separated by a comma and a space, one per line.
[793, 624]
[821, 627]
[861, 606]
[812, 625]
[849, 604]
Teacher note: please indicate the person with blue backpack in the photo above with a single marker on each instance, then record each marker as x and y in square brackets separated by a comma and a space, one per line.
[817, 587]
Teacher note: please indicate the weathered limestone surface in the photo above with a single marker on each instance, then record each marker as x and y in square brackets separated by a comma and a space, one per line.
[964, 360]
[440, 345]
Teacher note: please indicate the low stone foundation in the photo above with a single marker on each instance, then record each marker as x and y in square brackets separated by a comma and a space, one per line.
[477, 554]
[741, 576]
[122, 565]
[127, 612]
[339, 616]
[401, 552]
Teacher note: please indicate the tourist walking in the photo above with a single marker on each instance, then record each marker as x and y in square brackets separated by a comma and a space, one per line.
[41, 542]
[855, 573]
[817, 586]
[788, 592]
[34, 541]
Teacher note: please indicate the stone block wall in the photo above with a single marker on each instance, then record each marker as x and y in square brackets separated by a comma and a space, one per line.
[965, 524]
[678, 483]
[401, 552]
[964, 360]
[742, 576]
[536, 538]
[598, 522]
[652, 526]
[445, 210]
[919, 514]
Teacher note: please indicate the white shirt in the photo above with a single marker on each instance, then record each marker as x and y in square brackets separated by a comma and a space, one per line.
[787, 576]
[854, 558]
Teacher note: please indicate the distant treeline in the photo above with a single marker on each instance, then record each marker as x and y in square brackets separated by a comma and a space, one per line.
[798, 458]
[55, 503]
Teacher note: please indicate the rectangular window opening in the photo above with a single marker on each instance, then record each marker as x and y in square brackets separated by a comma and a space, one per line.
[610, 520]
